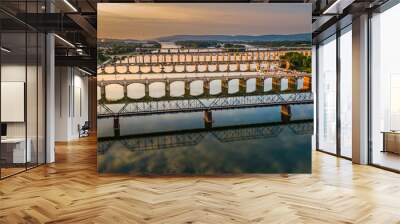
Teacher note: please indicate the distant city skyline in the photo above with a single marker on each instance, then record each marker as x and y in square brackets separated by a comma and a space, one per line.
[148, 21]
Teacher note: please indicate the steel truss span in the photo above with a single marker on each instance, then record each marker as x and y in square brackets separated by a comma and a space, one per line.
[196, 104]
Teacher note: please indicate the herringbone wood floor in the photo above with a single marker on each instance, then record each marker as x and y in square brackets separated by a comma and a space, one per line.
[71, 191]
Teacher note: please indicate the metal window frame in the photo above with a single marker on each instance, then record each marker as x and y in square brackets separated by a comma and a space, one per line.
[338, 33]
[44, 75]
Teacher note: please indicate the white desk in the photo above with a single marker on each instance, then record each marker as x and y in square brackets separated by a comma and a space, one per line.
[19, 155]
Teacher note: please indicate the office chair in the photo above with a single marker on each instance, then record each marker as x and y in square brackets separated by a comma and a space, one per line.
[84, 130]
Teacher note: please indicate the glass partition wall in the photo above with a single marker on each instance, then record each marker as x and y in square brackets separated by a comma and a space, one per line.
[22, 99]
[334, 79]
[385, 89]
[327, 95]
[334, 95]
[345, 93]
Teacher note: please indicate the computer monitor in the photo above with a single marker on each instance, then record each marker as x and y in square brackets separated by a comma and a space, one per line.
[3, 129]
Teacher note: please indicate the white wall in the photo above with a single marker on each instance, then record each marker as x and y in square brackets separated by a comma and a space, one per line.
[12, 73]
[71, 103]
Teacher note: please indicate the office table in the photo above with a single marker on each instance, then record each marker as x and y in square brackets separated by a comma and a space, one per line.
[13, 150]
[391, 141]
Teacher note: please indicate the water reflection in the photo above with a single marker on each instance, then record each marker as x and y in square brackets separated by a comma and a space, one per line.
[264, 148]
[251, 140]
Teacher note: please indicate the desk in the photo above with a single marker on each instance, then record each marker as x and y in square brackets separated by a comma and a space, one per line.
[13, 150]
[391, 141]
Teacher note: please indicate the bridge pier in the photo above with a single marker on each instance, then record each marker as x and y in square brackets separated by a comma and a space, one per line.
[292, 83]
[306, 83]
[224, 86]
[242, 85]
[286, 113]
[167, 88]
[125, 87]
[187, 88]
[276, 84]
[116, 127]
[208, 119]
[206, 87]
[260, 85]
[147, 89]
[103, 92]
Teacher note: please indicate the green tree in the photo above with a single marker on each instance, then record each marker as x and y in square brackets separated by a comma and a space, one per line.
[297, 61]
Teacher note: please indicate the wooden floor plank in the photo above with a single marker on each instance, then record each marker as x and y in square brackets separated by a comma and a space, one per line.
[71, 191]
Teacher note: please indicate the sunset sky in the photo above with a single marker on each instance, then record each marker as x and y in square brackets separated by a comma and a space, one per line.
[145, 21]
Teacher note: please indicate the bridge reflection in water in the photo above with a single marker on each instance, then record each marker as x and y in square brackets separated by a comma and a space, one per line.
[226, 143]
[258, 148]
[184, 138]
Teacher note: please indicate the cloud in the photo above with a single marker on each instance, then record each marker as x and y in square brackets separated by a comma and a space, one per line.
[152, 20]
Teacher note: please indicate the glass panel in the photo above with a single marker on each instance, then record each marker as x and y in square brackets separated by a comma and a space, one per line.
[327, 95]
[31, 98]
[41, 99]
[346, 92]
[13, 86]
[385, 84]
[23, 82]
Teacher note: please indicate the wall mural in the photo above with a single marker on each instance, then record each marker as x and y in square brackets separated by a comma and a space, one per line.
[204, 89]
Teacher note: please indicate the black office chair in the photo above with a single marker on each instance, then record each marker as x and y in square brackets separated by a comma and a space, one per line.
[84, 130]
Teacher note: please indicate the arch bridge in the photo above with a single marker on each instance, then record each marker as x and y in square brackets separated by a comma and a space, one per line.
[198, 60]
[276, 78]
